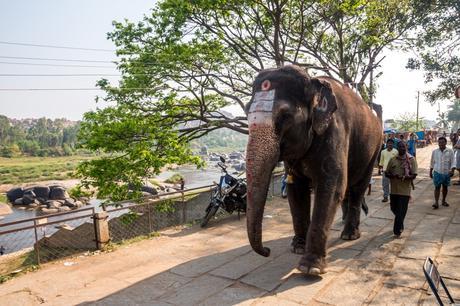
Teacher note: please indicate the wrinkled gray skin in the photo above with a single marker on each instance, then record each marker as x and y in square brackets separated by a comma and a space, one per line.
[328, 139]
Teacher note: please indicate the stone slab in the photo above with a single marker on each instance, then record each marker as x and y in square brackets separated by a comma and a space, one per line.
[339, 258]
[450, 246]
[449, 267]
[196, 291]
[349, 288]
[241, 265]
[301, 289]
[270, 275]
[430, 229]
[406, 273]
[453, 230]
[236, 294]
[393, 295]
[204, 264]
[419, 250]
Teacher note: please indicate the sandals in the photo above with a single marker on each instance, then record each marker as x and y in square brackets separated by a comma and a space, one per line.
[435, 206]
[445, 204]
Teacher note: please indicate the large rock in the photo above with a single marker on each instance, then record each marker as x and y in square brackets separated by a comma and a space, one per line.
[69, 202]
[14, 193]
[64, 208]
[49, 210]
[58, 193]
[150, 189]
[41, 192]
[18, 202]
[53, 204]
[28, 197]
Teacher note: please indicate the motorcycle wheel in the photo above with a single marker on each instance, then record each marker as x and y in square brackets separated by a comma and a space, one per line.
[211, 212]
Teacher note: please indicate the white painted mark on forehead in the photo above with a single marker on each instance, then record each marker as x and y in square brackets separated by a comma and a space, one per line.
[261, 110]
[263, 101]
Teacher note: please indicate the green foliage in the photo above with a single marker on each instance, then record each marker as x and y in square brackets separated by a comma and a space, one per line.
[187, 60]
[136, 149]
[79, 192]
[174, 179]
[32, 169]
[128, 218]
[166, 206]
[37, 137]
[407, 122]
[437, 43]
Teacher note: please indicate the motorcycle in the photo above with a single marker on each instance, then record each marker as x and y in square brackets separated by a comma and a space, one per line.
[229, 195]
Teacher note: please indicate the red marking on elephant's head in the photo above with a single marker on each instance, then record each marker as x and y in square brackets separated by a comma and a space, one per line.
[266, 85]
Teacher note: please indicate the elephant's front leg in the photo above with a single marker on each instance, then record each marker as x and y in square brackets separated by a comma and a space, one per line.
[328, 197]
[299, 196]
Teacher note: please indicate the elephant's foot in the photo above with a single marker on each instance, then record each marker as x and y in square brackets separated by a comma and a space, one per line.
[350, 234]
[312, 264]
[298, 245]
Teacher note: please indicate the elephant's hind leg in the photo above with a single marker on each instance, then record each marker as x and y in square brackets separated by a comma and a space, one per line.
[299, 196]
[352, 219]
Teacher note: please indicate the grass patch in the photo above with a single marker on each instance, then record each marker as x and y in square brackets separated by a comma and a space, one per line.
[30, 169]
[112, 246]
[3, 198]
[174, 179]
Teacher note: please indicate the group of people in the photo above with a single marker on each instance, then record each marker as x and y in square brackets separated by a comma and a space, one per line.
[398, 166]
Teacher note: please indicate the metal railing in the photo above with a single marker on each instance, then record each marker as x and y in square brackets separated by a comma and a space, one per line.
[34, 241]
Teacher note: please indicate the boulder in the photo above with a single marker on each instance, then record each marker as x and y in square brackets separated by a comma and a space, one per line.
[64, 208]
[149, 189]
[49, 210]
[18, 202]
[79, 204]
[33, 205]
[69, 202]
[58, 193]
[42, 192]
[53, 204]
[14, 193]
[28, 197]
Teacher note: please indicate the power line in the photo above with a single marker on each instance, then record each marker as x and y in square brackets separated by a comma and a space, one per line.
[56, 65]
[54, 46]
[58, 75]
[69, 89]
[55, 59]
[47, 89]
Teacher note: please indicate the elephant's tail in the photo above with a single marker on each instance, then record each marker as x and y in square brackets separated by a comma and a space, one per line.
[364, 206]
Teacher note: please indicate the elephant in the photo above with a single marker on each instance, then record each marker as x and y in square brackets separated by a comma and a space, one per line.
[328, 139]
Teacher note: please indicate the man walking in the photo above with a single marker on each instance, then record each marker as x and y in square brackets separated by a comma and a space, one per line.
[385, 157]
[401, 170]
[442, 167]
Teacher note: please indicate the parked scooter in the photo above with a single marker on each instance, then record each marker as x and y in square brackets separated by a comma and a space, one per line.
[229, 194]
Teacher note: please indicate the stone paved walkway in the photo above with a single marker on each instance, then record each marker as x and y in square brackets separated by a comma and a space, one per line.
[217, 267]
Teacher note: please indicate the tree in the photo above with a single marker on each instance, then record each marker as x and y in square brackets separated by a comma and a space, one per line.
[407, 122]
[438, 46]
[453, 114]
[188, 59]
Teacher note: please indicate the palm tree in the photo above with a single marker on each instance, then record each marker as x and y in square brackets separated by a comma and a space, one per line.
[442, 120]
[453, 114]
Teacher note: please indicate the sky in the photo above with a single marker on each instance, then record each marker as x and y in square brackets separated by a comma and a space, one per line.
[85, 24]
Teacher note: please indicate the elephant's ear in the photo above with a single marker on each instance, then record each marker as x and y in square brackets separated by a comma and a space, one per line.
[324, 105]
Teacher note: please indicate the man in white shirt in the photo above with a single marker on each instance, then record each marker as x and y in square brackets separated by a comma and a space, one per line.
[385, 157]
[441, 170]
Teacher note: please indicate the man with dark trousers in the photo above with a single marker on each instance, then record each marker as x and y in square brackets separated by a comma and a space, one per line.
[401, 170]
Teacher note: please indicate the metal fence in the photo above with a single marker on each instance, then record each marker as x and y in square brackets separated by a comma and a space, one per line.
[31, 242]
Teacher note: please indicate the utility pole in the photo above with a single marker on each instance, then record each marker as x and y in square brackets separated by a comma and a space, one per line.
[418, 100]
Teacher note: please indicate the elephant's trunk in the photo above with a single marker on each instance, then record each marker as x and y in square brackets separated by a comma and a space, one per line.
[261, 157]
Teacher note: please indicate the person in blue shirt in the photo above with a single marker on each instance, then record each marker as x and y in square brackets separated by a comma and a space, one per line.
[412, 144]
